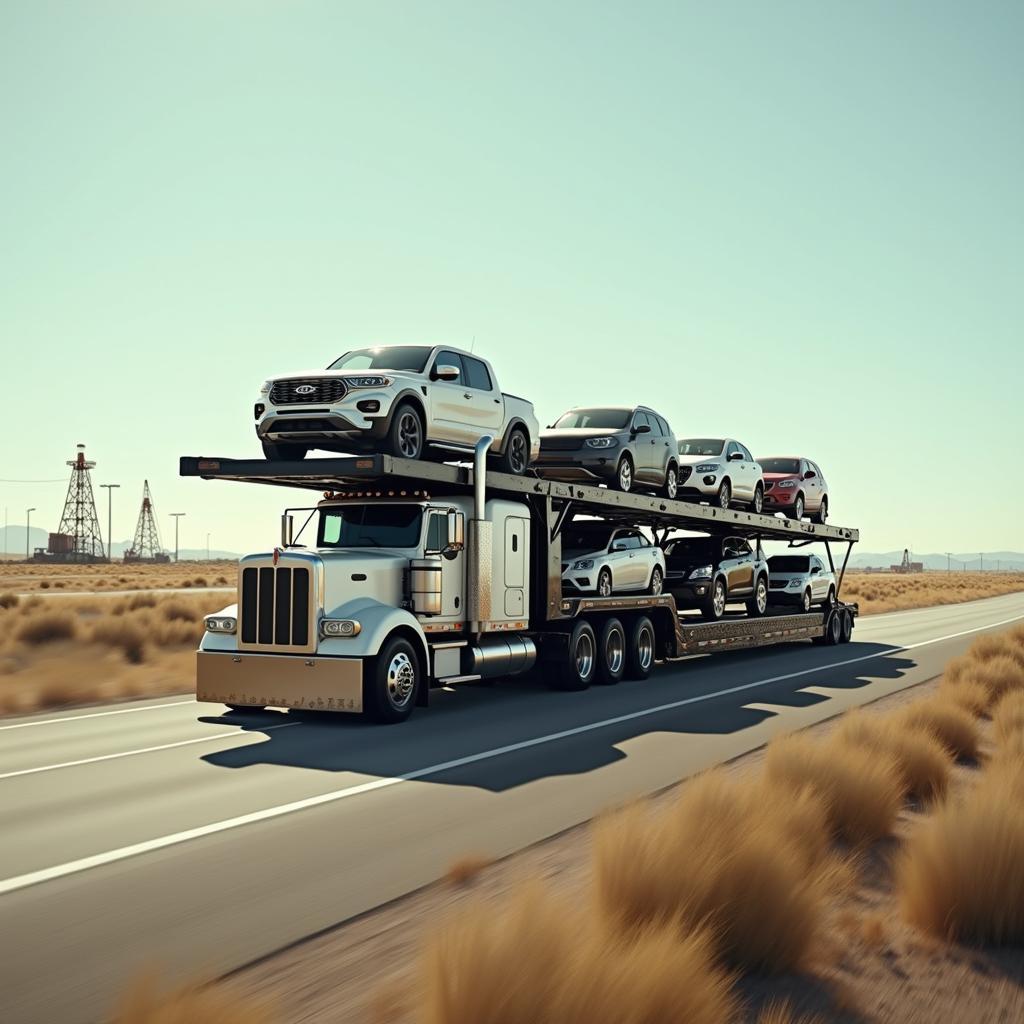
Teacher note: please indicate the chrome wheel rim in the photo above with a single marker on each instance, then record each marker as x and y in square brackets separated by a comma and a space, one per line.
[719, 598]
[762, 597]
[799, 508]
[671, 482]
[517, 453]
[823, 513]
[645, 648]
[758, 500]
[724, 496]
[625, 475]
[615, 651]
[409, 439]
[584, 655]
[807, 600]
[656, 581]
[604, 583]
[401, 680]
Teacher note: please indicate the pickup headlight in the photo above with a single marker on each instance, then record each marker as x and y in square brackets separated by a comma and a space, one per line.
[583, 563]
[786, 483]
[340, 627]
[602, 442]
[266, 386]
[368, 382]
[221, 623]
[702, 573]
[708, 467]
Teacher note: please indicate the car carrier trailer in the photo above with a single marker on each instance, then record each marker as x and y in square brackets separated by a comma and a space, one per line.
[454, 576]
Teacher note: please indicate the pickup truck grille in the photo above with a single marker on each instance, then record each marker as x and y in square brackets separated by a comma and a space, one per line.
[274, 606]
[325, 389]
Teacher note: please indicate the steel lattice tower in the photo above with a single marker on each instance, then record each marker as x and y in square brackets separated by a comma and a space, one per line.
[79, 521]
[146, 545]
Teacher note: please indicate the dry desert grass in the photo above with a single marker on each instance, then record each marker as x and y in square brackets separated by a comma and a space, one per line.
[146, 1003]
[885, 592]
[22, 577]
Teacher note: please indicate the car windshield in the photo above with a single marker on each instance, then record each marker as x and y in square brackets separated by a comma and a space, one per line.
[601, 419]
[788, 563]
[412, 358]
[370, 526]
[701, 446]
[699, 549]
[581, 538]
[779, 465]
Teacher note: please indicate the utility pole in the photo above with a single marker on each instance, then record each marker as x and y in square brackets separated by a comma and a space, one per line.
[28, 522]
[5, 529]
[207, 547]
[949, 556]
[176, 516]
[110, 535]
[982, 562]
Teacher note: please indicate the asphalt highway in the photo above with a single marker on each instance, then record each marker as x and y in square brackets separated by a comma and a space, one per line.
[174, 835]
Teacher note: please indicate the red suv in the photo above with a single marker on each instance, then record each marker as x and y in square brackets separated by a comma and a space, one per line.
[795, 487]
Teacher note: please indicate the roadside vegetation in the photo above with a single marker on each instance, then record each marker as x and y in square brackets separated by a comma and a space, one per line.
[890, 592]
[32, 577]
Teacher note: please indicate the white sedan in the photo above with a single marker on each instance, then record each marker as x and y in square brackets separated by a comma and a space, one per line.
[601, 559]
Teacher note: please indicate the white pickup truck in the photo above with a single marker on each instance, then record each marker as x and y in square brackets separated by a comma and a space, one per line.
[407, 400]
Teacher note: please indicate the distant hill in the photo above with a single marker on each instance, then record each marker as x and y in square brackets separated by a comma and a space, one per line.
[1013, 560]
[12, 542]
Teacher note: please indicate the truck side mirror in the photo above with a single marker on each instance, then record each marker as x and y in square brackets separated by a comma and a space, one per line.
[446, 372]
[287, 530]
[456, 531]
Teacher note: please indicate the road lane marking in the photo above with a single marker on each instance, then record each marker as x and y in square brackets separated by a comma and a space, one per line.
[73, 867]
[98, 714]
[140, 750]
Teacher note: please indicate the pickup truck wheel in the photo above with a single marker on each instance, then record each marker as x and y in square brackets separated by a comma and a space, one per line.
[391, 682]
[611, 653]
[758, 604]
[516, 457]
[283, 452]
[624, 474]
[577, 664]
[713, 607]
[640, 649]
[405, 435]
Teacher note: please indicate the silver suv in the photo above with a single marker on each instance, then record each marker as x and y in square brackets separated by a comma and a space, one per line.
[720, 471]
[403, 400]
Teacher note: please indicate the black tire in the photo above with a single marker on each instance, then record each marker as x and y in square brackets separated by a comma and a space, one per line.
[713, 607]
[640, 647]
[798, 508]
[392, 682]
[846, 626]
[624, 475]
[604, 583]
[805, 601]
[757, 505]
[724, 497]
[830, 601]
[611, 653]
[284, 452]
[834, 629]
[568, 671]
[671, 488]
[515, 459]
[406, 437]
[657, 583]
[821, 517]
[758, 604]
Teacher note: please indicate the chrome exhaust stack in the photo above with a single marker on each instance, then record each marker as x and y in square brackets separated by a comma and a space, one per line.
[480, 567]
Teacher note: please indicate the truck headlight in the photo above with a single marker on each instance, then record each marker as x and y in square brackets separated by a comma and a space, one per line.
[602, 442]
[583, 563]
[701, 573]
[221, 623]
[340, 627]
[266, 386]
[368, 382]
[708, 467]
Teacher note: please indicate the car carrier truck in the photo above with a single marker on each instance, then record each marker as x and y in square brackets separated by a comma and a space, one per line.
[415, 575]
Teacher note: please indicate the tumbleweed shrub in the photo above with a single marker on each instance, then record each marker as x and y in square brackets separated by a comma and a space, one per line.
[861, 788]
[741, 859]
[9, 600]
[960, 875]
[923, 763]
[538, 960]
[999, 674]
[46, 627]
[144, 1002]
[966, 693]
[995, 645]
[1008, 719]
[949, 723]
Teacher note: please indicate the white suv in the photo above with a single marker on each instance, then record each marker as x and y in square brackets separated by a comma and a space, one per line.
[598, 558]
[720, 471]
[401, 400]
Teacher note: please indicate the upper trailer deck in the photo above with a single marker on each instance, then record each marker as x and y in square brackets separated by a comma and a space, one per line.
[369, 472]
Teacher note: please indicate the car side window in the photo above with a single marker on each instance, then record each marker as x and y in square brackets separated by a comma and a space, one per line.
[747, 457]
[451, 359]
[817, 469]
[663, 427]
[732, 447]
[640, 420]
[476, 372]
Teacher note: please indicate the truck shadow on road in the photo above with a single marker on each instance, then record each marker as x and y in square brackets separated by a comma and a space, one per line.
[518, 731]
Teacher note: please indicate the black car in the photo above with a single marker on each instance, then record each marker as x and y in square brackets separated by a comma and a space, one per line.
[626, 447]
[708, 573]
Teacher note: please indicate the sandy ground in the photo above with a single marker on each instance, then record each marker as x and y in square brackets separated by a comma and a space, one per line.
[31, 578]
[872, 968]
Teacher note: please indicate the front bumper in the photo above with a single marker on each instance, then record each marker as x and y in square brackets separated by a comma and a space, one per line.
[342, 421]
[780, 501]
[784, 595]
[688, 593]
[562, 466]
[280, 680]
[694, 486]
[580, 581]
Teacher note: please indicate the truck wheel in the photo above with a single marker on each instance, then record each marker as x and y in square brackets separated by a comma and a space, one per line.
[846, 626]
[405, 435]
[834, 629]
[640, 649]
[611, 653]
[575, 669]
[283, 452]
[516, 456]
[657, 581]
[391, 682]
[624, 474]
[713, 607]
[758, 604]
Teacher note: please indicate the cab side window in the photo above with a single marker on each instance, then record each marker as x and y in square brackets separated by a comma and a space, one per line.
[476, 374]
[452, 359]
[732, 447]
[437, 532]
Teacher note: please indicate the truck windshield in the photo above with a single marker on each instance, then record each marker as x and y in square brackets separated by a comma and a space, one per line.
[601, 419]
[411, 358]
[371, 526]
[779, 465]
[701, 446]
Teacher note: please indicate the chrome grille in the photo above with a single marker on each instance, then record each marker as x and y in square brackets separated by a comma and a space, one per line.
[325, 389]
[274, 606]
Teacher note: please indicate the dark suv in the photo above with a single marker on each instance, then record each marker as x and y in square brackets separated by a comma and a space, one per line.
[708, 573]
[627, 448]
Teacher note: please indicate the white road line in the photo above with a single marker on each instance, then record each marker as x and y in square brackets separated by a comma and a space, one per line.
[140, 750]
[97, 714]
[50, 874]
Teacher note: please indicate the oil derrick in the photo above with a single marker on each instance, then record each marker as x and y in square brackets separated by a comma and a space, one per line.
[78, 538]
[146, 545]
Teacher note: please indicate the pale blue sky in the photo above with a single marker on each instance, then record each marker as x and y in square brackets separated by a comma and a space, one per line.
[796, 223]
